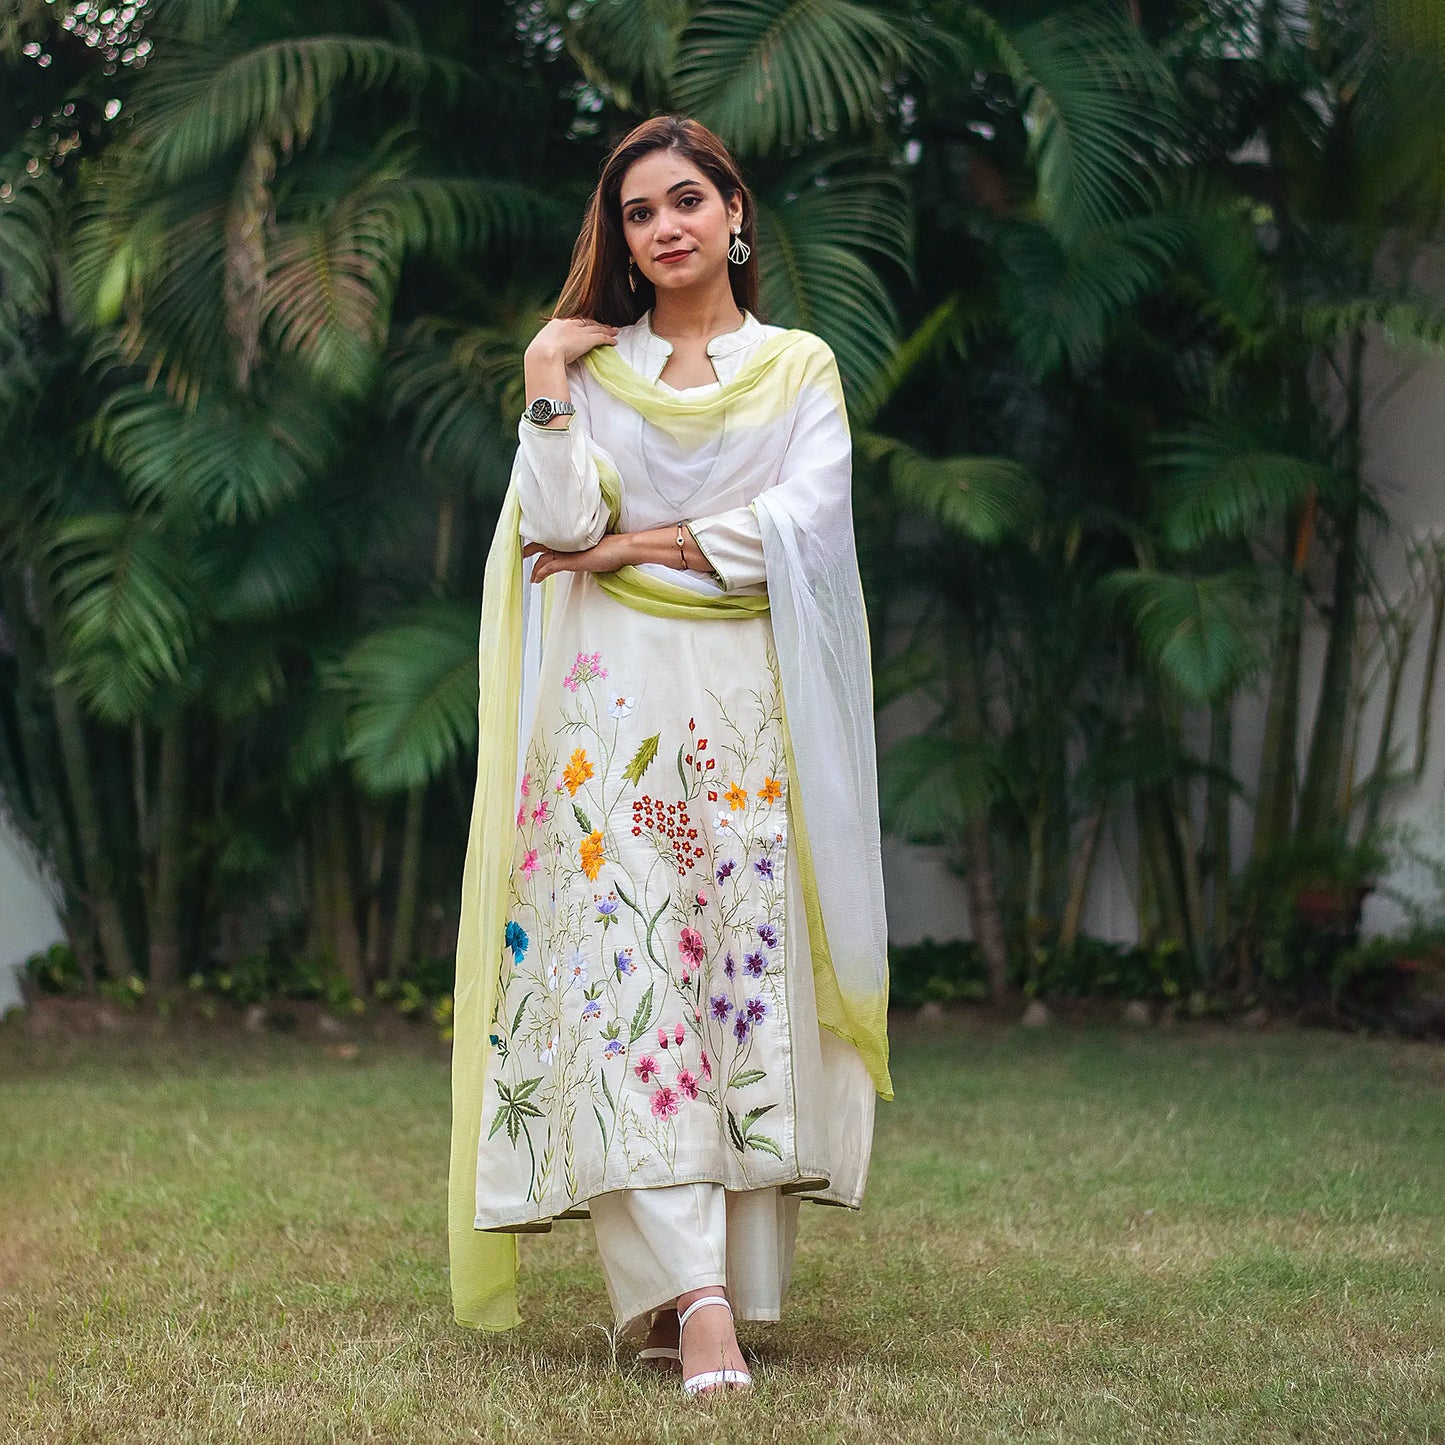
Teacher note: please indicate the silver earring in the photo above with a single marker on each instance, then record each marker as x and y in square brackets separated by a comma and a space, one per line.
[739, 251]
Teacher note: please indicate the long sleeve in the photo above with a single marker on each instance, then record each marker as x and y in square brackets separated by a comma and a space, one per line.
[557, 482]
[733, 546]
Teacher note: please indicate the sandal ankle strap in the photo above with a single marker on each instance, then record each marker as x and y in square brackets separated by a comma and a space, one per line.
[697, 1304]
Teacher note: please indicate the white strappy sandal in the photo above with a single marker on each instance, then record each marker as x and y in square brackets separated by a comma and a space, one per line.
[735, 1379]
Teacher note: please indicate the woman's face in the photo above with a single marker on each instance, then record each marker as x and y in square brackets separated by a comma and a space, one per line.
[677, 225]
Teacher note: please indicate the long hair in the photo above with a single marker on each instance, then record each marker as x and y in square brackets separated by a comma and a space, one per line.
[596, 284]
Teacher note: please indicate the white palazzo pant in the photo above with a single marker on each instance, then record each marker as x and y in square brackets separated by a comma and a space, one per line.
[656, 1244]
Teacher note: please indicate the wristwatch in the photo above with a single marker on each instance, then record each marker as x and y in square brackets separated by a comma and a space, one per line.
[544, 408]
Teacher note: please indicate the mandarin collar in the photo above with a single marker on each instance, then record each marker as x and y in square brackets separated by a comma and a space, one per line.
[721, 345]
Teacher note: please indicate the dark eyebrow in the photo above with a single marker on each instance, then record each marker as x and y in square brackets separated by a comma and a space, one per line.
[677, 187]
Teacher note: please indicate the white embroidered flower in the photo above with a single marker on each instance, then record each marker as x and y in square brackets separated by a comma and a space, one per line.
[550, 1052]
[723, 823]
[577, 968]
[621, 706]
[554, 974]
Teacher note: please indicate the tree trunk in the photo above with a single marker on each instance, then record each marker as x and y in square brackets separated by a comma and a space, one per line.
[100, 881]
[1083, 865]
[403, 935]
[1221, 843]
[346, 936]
[170, 843]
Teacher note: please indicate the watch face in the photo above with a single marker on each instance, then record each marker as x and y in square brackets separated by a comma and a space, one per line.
[540, 410]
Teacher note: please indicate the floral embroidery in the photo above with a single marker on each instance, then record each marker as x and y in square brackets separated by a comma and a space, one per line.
[577, 771]
[624, 1059]
[592, 856]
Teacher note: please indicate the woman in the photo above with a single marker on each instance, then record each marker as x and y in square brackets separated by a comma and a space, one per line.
[671, 977]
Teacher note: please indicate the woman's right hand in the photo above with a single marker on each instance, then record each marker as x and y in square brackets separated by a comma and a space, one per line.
[565, 338]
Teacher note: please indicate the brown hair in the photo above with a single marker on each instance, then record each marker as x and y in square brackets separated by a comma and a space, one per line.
[596, 285]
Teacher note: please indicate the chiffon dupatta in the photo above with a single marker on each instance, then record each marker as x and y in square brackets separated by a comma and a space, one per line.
[820, 636]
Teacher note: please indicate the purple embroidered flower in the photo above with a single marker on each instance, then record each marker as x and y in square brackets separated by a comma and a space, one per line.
[755, 965]
[740, 1028]
[613, 1048]
[764, 867]
[625, 962]
[729, 966]
[721, 1006]
[592, 1009]
[726, 871]
[606, 907]
[768, 934]
[757, 1010]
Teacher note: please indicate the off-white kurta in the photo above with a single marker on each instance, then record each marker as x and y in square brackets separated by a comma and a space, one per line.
[656, 1022]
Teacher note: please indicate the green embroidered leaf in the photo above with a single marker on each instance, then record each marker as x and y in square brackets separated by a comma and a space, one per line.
[682, 776]
[524, 1090]
[642, 759]
[764, 1145]
[748, 1076]
[642, 1019]
[607, 1094]
[601, 1124]
[735, 1134]
[753, 1115]
[583, 821]
[498, 1122]
[517, 1022]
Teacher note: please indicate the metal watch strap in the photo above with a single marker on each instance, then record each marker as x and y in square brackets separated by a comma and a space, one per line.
[542, 409]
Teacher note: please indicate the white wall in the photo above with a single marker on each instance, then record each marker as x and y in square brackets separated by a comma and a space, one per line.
[28, 922]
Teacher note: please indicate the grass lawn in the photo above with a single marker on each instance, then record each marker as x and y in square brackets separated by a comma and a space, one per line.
[1083, 1234]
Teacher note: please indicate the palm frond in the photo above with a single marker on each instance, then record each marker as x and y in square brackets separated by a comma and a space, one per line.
[1221, 481]
[1403, 323]
[628, 48]
[983, 499]
[774, 73]
[270, 568]
[1201, 634]
[413, 696]
[1062, 302]
[228, 459]
[204, 101]
[814, 272]
[28, 246]
[930, 787]
[131, 609]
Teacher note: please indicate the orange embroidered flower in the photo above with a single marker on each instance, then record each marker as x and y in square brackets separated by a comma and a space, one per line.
[592, 858]
[771, 791]
[577, 771]
[737, 797]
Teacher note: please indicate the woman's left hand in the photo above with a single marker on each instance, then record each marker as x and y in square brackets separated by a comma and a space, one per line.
[608, 555]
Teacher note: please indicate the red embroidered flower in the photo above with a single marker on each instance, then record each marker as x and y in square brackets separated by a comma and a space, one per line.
[664, 1103]
[706, 1065]
[646, 1068]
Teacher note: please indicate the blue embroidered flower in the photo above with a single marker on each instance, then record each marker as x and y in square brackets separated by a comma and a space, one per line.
[740, 1028]
[721, 1006]
[606, 907]
[768, 934]
[757, 1010]
[764, 867]
[726, 870]
[516, 940]
[625, 962]
[592, 1009]
[755, 965]
[729, 966]
[614, 1047]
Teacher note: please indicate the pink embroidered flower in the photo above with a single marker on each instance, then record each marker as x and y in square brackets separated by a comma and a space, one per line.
[661, 1038]
[706, 1065]
[692, 948]
[529, 863]
[686, 978]
[702, 900]
[645, 1068]
[542, 812]
[664, 1103]
[678, 1034]
[521, 815]
[686, 1083]
[526, 784]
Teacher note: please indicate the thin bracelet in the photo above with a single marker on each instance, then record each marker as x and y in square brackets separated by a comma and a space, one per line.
[680, 552]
